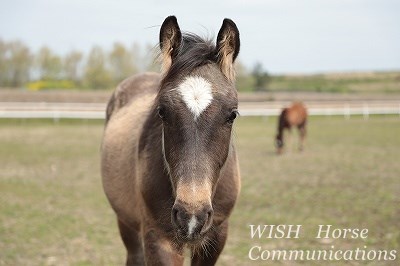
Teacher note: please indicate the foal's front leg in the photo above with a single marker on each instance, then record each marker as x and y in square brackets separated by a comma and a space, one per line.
[158, 250]
[133, 245]
[209, 253]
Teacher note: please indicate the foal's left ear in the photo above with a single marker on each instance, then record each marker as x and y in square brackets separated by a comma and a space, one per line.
[228, 45]
[170, 41]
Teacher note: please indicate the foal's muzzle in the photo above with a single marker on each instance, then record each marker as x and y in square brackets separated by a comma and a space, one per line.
[190, 224]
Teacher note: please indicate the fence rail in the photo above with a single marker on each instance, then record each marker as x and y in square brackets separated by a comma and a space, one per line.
[97, 110]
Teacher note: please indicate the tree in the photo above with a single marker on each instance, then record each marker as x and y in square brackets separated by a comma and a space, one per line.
[148, 58]
[3, 63]
[15, 63]
[244, 81]
[96, 74]
[71, 66]
[121, 62]
[49, 64]
[261, 77]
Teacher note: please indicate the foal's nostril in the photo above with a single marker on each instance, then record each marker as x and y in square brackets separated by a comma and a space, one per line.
[208, 219]
[175, 215]
[209, 214]
[178, 217]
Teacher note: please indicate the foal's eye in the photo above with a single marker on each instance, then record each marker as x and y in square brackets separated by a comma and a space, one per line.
[161, 112]
[232, 116]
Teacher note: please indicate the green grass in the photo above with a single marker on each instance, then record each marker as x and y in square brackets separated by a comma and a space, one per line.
[53, 210]
[348, 176]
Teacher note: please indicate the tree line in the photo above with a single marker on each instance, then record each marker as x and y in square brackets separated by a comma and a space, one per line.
[97, 69]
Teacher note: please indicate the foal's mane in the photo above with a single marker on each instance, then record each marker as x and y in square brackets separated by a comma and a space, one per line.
[194, 52]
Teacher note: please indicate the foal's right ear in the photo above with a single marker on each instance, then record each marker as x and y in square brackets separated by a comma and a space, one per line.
[170, 41]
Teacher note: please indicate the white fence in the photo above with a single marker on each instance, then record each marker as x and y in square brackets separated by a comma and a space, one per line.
[346, 109]
[97, 110]
[52, 110]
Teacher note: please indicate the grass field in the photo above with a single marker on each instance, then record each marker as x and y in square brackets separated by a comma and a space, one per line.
[53, 210]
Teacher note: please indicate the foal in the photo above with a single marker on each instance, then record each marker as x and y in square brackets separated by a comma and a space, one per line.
[169, 166]
[295, 115]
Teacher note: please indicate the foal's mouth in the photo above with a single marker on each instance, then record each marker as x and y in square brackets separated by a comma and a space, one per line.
[192, 239]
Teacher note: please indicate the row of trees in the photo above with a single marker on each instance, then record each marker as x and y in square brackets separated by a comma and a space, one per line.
[98, 69]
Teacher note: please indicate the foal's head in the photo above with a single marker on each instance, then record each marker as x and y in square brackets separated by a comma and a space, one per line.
[197, 105]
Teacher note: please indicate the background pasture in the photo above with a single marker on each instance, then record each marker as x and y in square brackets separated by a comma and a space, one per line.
[53, 210]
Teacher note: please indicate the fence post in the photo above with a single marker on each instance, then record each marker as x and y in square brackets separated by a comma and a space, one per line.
[365, 111]
[346, 111]
[399, 109]
[56, 117]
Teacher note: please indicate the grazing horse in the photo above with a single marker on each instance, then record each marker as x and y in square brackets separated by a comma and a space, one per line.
[295, 115]
[169, 167]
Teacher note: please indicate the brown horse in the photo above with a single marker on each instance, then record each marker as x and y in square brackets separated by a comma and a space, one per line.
[169, 167]
[295, 115]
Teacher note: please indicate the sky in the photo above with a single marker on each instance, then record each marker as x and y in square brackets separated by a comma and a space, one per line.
[285, 36]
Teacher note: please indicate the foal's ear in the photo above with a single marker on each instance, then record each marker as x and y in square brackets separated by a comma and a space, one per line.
[170, 41]
[228, 45]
